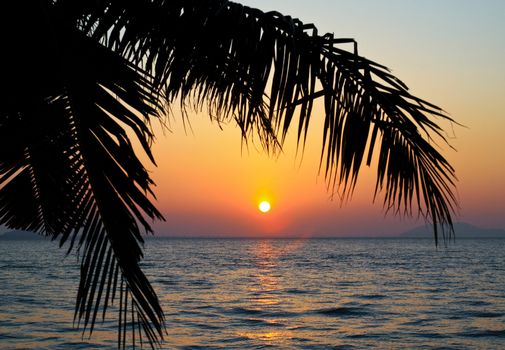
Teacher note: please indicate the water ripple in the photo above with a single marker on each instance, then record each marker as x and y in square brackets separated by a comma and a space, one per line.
[279, 294]
[341, 311]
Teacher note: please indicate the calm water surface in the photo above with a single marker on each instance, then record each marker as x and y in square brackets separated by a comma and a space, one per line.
[279, 294]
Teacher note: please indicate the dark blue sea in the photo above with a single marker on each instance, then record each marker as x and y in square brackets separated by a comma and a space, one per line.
[276, 294]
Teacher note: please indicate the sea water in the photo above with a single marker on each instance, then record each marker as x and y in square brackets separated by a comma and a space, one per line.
[278, 294]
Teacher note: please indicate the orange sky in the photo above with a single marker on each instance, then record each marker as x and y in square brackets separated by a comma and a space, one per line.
[451, 54]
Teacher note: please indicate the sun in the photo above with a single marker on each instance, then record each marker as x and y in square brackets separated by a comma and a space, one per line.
[264, 207]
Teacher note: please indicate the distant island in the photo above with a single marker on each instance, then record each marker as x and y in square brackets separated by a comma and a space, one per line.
[461, 229]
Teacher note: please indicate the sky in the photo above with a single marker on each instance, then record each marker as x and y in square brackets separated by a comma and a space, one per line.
[450, 52]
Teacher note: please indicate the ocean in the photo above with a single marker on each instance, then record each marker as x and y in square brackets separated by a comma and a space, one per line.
[276, 294]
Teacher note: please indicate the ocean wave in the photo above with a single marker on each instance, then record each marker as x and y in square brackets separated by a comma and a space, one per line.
[483, 333]
[341, 311]
[371, 296]
[482, 314]
[242, 311]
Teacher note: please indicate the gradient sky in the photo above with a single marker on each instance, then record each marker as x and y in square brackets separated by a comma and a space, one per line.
[449, 52]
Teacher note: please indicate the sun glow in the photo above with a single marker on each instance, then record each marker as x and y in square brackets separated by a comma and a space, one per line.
[264, 207]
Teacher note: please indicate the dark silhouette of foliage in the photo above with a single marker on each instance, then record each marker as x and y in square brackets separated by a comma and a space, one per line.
[79, 74]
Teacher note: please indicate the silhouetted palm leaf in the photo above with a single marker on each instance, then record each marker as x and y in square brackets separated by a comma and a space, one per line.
[69, 170]
[67, 166]
[231, 56]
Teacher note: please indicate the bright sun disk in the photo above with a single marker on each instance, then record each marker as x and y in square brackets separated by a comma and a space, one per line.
[264, 207]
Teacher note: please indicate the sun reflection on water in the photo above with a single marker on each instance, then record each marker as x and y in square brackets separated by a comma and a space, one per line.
[266, 282]
[271, 337]
[266, 293]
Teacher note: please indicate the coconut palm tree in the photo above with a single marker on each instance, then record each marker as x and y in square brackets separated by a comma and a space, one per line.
[81, 76]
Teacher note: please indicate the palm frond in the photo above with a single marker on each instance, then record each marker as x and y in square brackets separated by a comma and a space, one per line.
[263, 69]
[68, 170]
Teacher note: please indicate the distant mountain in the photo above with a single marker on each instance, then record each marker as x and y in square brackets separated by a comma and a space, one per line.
[462, 230]
[20, 236]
